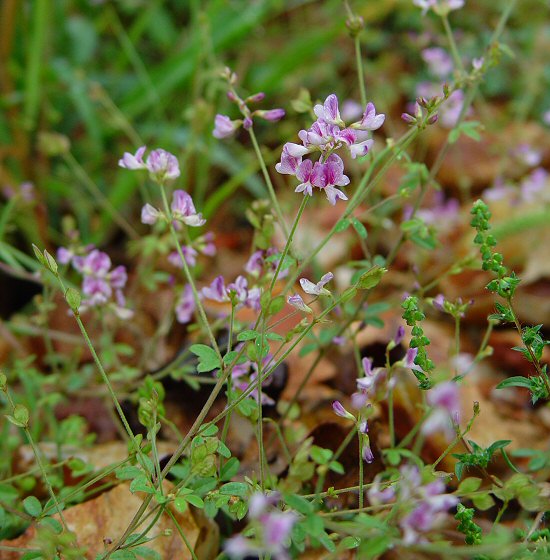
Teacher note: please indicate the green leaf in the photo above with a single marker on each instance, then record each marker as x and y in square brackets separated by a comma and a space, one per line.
[470, 484]
[301, 505]
[342, 225]
[39, 256]
[195, 500]
[350, 542]
[247, 335]
[50, 262]
[515, 381]
[209, 431]
[483, 502]
[21, 414]
[73, 298]
[239, 489]
[320, 455]
[371, 278]
[229, 469]
[359, 228]
[32, 506]
[208, 359]
[128, 472]
[276, 305]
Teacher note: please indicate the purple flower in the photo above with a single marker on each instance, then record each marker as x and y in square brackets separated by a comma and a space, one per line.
[129, 161]
[304, 174]
[351, 110]
[438, 302]
[150, 215]
[297, 302]
[163, 165]
[255, 264]
[339, 410]
[445, 399]
[370, 120]
[329, 111]
[272, 115]
[224, 126]
[409, 359]
[360, 149]
[291, 158]
[317, 289]
[64, 255]
[441, 7]
[186, 305]
[546, 117]
[189, 254]
[399, 335]
[377, 496]
[438, 60]
[330, 174]
[216, 291]
[183, 209]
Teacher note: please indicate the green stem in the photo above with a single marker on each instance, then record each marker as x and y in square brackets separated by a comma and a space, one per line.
[360, 75]
[182, 534]
[268, 181]
[452, 44]
[188, 275]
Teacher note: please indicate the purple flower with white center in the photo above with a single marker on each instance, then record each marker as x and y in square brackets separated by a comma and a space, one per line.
[304, 173]
[217, 290]
[298, 303]
[224, 127]
[129, 161]
[410, 357]
[328, 175]
[290, 159]
[255, 264]
[96, 263]
[271, 532]
[97, 291]
[317, 289]
[184, 211]
[439, 61]
[150, 215]
[445, 399]
[329, 111]
[163, 165]
[339, 410]
[430, 506]
[370, 120]
[185, 306]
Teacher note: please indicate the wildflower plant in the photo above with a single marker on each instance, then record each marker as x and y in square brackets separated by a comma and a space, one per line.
[249, 319]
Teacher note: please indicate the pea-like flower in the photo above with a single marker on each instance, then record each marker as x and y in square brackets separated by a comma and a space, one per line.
[162, 165]
[184, 211]
[317, 289]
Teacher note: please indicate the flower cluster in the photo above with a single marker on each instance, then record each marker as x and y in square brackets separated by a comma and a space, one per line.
[328, 134]
[224, 127]
[101, 285]
[430, 504]
[203, 244]
[445, 400]
[236, 292]
[183, 211]
[362, 429]
[422, 506]
[272, 530]
[162, 165]
[244, 376]
[312, 289]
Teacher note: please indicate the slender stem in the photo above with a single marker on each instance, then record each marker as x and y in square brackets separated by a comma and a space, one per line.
[361, 474]
[182, 534]
[452, 44]
[188, 274]
[268, 181]
[360, 74]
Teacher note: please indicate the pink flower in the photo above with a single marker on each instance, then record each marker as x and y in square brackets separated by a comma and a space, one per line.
[439, 62]
[297, 302]
[339, 410]
[149, 214]
[272, 115]
[163, 165]
[370, 120]
[224, 126]
[317, 289]
[186, 305]
[129, 161]
[329, 111]
[184, 211]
